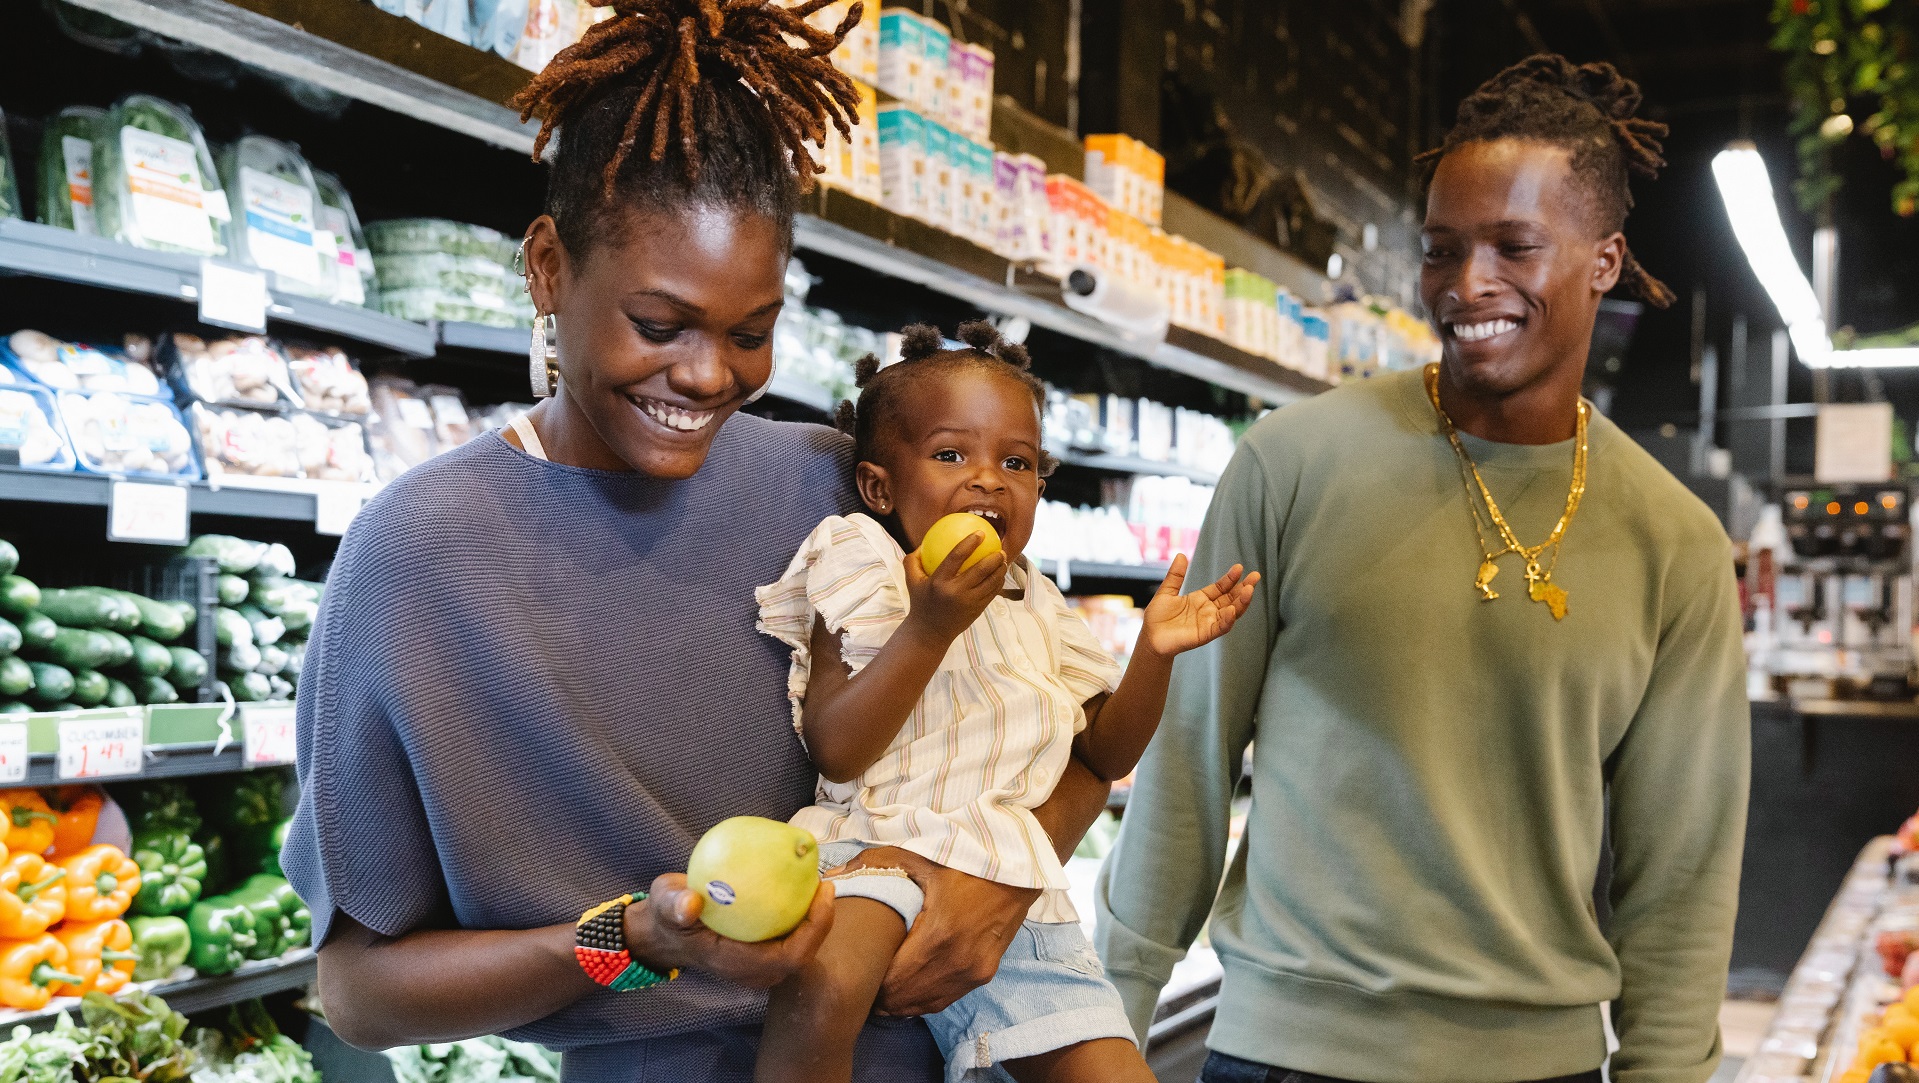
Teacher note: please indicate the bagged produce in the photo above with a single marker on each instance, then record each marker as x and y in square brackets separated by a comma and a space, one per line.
[235, 441]
[277, 228]
[353, 274]
[28, 428]
[115, 433]
[9, 185]
[332, 450]
[451, 424]
[70, 366]
[242, 370]
[401, 432]
[156, 186]
[328, 381]
[66, 168]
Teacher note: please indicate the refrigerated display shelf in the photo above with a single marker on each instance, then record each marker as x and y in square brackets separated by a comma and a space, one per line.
[30, 248]
[239, 498]
[1132, 464]
[295, 970]
[1069, 570]
[180, 740]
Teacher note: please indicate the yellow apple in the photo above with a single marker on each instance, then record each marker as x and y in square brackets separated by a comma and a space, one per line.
[757, 876]
[949, 532]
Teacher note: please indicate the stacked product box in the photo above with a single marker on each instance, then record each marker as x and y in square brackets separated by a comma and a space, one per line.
[859, 53]
[946, 81]
[1252, 313]
[1129, 175]
[853, 165]
[1020, 207]
[935, 174]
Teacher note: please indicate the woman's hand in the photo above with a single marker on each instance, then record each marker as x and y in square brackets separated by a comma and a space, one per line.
[1176, 622]
[947, 602]
[666, 933]
[956, 942]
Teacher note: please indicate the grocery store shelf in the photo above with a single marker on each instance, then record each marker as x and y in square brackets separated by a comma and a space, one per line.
[181, 740]
[1131, 464]
[295, 970]
[30, 248]
[294, 500]
[1079, 569]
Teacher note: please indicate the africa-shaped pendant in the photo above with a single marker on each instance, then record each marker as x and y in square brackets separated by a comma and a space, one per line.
[1545, 590]
[1484, 580]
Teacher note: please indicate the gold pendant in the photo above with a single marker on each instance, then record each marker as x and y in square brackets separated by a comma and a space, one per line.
[1549, 592]
[1484, 580]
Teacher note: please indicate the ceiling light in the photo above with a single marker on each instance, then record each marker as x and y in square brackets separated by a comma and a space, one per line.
[1905, 357]
[1747, 190]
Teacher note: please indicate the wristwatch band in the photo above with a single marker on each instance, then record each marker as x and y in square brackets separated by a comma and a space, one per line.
[599, 943]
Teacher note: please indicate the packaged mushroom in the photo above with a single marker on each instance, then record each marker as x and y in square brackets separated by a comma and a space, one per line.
[115, 433]
[71, 366]
[400, 432]
[234, 441]
[242, 370]
[28, 429]
[328, 380]
[333, 450]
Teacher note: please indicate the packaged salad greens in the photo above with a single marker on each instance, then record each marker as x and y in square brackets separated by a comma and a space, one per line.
[156, 186]
[277, 226]
[28, 429]
[115, 433]
[353, 277]
[9, 186]
[70, 366]
[420, 235]
[244, 370]
[66, 168]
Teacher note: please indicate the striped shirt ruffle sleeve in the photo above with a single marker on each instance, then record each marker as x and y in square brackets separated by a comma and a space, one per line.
[842, 578]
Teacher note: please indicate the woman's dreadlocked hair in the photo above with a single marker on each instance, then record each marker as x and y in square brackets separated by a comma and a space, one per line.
[923, 353]
[671, 102]
[1589, 110]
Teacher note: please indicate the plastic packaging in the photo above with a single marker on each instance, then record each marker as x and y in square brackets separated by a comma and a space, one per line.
[68, 366]
[66, 168]
[353, 276]
[397, 236]
[434, 303]
[234, 441]
[29, 428]
[401, 431]
[9, 186]
[156, 186]
[115, 433]
[332, 450]
[277, 228]
[244, 370]
[328, 380]
[451, 425]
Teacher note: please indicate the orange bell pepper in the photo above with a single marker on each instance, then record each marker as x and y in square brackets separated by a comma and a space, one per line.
[78, 812]
[33, 896]
[29, 969]
[100, 954]
[101, 883]
[29, 822]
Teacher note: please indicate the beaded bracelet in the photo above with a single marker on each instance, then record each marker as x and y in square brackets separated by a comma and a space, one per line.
[599, 943]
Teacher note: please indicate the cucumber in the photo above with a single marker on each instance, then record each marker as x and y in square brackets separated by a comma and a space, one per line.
[16, 677]
[235, 556]
[248, 687]
[150, 659]
[240, 658]
[18, 596]
[37, 630]
[279, 689]
[14, 706]
[79, 648]
[122, 647]
[273, 661]
[233, 590]
[79, 608]
[158, 620]
[155, 690]
[277, 560]
[89, 687]
[119, 695]
[229, 627]
[266, 630]
[9, 557]
[189, 615]
[124, 616]
[10, 640]
[189, 667]
[51, 683]
[298, 618]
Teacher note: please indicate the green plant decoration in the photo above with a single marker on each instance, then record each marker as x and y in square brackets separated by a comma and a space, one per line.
[1845, 59]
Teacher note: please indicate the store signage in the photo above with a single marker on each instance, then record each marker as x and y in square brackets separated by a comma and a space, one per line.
[1854, 443]
[267, 734]
[335, 505]
[13, 753]
[143, 512]
[101, 744]
[233, 296]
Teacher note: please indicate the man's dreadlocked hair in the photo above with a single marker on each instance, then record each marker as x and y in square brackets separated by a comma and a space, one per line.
[923, 353]
[1588, 109]
[676, 102]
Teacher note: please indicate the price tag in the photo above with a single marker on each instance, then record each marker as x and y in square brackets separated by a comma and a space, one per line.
[267, 734]
[13, 753]
[142, 512]
[233, 296]
[101, 747]
[335, 505]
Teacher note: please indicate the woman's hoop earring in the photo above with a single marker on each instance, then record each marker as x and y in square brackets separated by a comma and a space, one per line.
[771, 375]
[543, 357]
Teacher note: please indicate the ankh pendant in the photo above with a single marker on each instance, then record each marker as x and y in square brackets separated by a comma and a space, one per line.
[1483, 581]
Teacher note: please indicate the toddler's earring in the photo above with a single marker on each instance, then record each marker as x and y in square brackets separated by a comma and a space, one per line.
[543, 357]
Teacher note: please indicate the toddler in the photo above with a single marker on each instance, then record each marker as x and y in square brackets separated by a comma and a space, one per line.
[942, 708]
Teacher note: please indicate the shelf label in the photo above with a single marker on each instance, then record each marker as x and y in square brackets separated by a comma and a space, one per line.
[143, 512]
[233, 296]
[101, 744]
[13, 753]
[267, 733]
[334, 506]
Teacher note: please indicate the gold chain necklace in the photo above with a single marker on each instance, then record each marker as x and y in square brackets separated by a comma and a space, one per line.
[1539, 581]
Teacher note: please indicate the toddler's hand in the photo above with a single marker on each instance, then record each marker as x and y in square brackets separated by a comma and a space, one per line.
[947, 602]
[1175, 623]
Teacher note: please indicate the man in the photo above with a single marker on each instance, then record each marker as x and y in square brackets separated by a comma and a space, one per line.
[1492, 626]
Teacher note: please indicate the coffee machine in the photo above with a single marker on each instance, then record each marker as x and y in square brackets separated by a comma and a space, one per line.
[1842, 599]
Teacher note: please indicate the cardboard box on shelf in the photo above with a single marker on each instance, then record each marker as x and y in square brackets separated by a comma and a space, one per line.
[859, 53]
[904, 168]
[902, 56]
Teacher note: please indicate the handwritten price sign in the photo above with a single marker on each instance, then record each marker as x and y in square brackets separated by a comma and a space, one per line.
[13, 752]
[267, 734]
[101, 747]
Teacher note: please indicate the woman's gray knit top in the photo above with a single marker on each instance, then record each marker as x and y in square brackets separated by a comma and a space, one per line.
[533, 687]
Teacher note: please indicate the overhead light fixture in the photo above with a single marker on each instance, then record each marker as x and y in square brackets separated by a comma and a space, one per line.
[1747, 190]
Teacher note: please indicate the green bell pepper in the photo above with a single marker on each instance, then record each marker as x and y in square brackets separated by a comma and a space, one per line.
[160, 806]
[224, 932]
[297, 920]
[270, 861]
[272, 926]
[172, 869]
[162, 943]
[219, 861]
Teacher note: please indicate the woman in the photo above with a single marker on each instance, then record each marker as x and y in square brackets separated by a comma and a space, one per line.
[535, 682]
